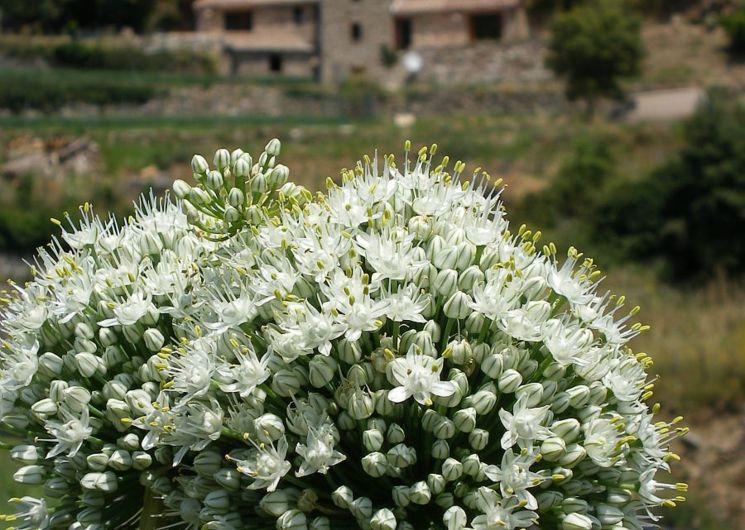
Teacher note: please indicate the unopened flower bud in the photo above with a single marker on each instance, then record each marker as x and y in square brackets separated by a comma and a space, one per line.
[221, 159]
[276, 503]
[286, 383]
[483, 402]
[401, 456]
[32, 475]
[292, 520]
[242, 168]
[361, 507]
[383, 520]
[455, 518]
[372, 439]
[400, 495]
[361, 405]
[465, 419]
[77, 397]
[269, 428]
[120, 460]
[608, 515]
[25, 454]
[181, 189]
[576, 521]
[460, 351]
[440, 449]
[574, 505]
[598, 393]
[342, 497]
[273, 147]
[45, 407]
[395, 434]
[553, 448]
[207, 463]
[320, 523]
[218, 500]
[141, 460]
[215, 180]
[478, 439]
[548, 499]
[436, 483]
[419, 493]
[457, 306]
[199, 165]
[574, 454]
[509, 381]
[278, 176]
[105, 482]
[578, 396]
[446, 282]
[97, 461]
[87, 364]
[531, 394]
[444, 429]
[51, 363]
[560, 403]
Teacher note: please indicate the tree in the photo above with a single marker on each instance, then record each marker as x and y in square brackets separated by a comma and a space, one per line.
[691, 210]
[593, 46]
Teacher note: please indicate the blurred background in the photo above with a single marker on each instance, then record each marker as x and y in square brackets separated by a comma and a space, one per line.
[618, 126]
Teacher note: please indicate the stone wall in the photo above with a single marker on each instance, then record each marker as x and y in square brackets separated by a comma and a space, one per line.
[484, 62]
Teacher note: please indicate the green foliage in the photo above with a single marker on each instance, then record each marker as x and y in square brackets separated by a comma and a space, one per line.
[388, 56]
[593, 47]
[574, 190]
[734, 25]
[92, 55]
[25, 90]
[690, 211]
[75, 54]
[662, 7]
[71, 15]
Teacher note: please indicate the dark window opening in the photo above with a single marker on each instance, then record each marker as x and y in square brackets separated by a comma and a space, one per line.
[356, 32]
[298, 15]
[239, 20]
[275, 63]
[486, 27]
[403, 33]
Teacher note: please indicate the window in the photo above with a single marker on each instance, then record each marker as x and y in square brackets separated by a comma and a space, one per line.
[239, 20]
[403, 33]
[356, 31]
[486, 27]
[275, 63]
[298, 15]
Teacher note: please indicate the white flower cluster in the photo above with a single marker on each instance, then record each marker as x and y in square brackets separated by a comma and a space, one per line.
[386, 355]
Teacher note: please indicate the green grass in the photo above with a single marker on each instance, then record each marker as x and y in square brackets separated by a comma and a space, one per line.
[162, 78]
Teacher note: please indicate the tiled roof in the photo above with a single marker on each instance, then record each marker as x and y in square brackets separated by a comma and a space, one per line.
[411, 7]
[237, 4]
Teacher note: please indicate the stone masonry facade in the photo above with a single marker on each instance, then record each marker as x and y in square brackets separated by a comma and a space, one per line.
[337, 40]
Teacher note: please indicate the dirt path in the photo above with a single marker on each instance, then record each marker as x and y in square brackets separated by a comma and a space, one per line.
[665, 104]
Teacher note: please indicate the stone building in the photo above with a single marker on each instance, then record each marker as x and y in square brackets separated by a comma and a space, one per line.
[335, 39]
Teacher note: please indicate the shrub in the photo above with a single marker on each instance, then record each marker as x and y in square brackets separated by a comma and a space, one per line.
[75, 54]
[23, 91]
[690, 211]
[577, 185]
[593, 47]
[734, 25]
